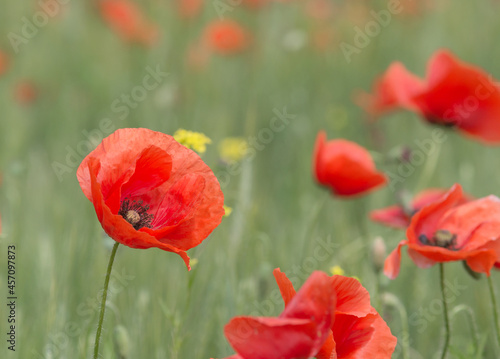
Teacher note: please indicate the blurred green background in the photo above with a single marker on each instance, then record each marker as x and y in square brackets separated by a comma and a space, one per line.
[77, 67]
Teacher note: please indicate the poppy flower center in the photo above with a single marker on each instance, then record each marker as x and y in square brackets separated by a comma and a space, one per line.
[136, 214]
[441, 238]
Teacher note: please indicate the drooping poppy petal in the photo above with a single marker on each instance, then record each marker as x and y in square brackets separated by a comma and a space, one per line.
[150, 191]
[450, 230]
[345, 167]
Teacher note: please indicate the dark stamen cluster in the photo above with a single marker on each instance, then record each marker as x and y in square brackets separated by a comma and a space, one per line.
[136, 214]
[442, 238]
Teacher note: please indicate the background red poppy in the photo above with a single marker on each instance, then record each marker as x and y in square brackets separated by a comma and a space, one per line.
[450, 230]
[345, 167]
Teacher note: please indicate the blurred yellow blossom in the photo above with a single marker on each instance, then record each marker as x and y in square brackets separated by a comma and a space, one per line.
[196, 141]
[232, 149]
[336, 270]
[227, 211]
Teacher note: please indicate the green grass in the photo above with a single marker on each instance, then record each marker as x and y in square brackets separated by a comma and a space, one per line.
[80, 68]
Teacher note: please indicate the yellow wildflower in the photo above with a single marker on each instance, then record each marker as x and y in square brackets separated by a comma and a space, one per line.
[227, 211]
[336, 270]
[196, 141]
[232, 149]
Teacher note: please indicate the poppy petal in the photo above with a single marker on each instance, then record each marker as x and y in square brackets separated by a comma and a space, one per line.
[264, 338]
[117, 227]
[352, 333]
[151, 170]
[315, 299]
[393, 261]
[381, 344]
[392, 216]
[285, 286]
[352, 297]
[425, 221]
[180, 201]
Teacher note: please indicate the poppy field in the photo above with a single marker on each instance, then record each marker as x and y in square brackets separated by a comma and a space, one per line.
[250, 179]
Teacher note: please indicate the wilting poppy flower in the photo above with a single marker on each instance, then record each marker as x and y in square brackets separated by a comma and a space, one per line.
[397, 217]
[127, 20]
[454, 94]
[189, 8]
[356, 329]
[226, 37]
[345, 167]
[300, 330]
[450, 230]
[150, 191]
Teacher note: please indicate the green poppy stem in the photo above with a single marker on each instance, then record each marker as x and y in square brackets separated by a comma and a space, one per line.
[495, 308]
[103, 302]
[445, 312]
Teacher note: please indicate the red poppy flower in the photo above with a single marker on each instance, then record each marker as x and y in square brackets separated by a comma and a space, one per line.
[356, 330]
[127, 20]
[345, 167]
[25, 92]
[150, 191]
[189, 8]
[397, 217]
[453, 94]
[226, 37]
[300, 330]
[255, 4]
[450, 230]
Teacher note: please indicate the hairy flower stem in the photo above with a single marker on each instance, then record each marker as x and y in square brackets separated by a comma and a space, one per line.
[495, 309]
[445, 312]
[103, 302]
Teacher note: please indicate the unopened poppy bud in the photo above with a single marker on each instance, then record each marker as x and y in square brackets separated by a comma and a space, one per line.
[379, 253]
[121, 340]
